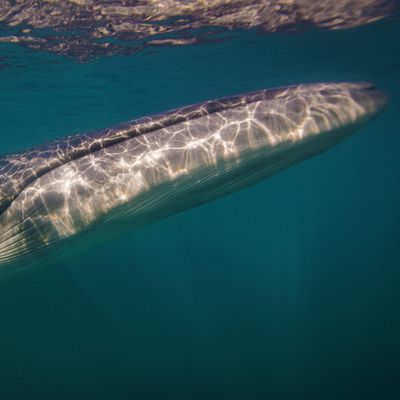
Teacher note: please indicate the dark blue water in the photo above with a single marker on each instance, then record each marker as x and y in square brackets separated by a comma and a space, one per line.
[287, 290]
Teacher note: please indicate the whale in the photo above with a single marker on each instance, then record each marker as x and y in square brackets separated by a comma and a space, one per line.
[76, 192]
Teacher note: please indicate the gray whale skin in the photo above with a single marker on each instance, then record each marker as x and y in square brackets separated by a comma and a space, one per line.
[78, 191]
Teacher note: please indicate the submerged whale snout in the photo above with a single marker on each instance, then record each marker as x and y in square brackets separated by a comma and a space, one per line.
[337, 109]
[369, 98]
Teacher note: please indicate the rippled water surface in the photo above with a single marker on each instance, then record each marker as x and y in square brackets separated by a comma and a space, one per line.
[286, 290]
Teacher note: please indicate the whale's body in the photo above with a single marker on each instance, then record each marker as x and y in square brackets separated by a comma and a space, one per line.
[96, 185]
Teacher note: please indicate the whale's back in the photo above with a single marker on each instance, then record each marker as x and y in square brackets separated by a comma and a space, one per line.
[18, 170]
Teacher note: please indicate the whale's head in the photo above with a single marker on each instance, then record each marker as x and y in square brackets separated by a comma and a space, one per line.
[143, 170]
[368, 97]
[319, 112]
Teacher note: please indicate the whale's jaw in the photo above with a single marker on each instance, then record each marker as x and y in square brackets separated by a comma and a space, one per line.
[79, 196]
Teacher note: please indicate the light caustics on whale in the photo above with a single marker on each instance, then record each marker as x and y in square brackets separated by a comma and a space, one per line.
[96, 185]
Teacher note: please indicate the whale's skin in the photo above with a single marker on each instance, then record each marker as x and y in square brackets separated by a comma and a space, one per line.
[97, 185]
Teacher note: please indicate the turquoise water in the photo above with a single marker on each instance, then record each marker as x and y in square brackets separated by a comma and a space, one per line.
[286, 290]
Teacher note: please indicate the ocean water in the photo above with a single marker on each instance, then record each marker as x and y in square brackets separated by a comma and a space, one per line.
[289, 289]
